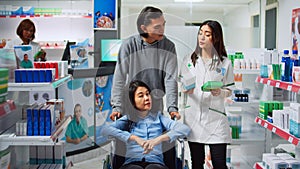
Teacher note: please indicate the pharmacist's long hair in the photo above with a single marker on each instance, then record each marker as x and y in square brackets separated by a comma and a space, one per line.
[25, 24]
[218, 43]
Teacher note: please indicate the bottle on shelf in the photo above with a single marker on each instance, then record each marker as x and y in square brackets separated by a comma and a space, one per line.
[285, 66]
[266, 55]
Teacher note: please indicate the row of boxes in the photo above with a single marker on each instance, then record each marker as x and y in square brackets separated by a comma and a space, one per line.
[40, 120]
[279, 161]
[48, 154]
[34, 75]
[61, 67]
[266, 108]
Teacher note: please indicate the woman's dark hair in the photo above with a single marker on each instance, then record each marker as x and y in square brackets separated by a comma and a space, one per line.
[145, 17]
[217, 40]
[132, 89]
[76, 105]
[26, 24]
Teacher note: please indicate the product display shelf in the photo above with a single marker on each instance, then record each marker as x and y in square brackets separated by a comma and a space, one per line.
[246, 71]
[38, 86]
[46, 16]
[258, 166]
[10, 139]
[249, 137]
[279, 84]
[278, 131]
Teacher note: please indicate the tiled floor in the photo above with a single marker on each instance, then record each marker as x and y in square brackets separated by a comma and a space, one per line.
[239, 159]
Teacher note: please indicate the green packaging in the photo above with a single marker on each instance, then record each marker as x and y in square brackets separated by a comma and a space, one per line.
[211, 85]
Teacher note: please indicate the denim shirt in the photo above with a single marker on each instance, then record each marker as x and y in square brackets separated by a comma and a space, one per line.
[146, 128]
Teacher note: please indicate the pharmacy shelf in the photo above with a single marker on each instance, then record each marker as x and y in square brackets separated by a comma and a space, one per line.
[279, 131]
[258, 165]
[279, 84]
[246, 71]
[46, 16]
[38, 86]
[249, 137]
[10, 139]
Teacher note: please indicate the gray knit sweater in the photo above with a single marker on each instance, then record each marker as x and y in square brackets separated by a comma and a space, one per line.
[155, 64]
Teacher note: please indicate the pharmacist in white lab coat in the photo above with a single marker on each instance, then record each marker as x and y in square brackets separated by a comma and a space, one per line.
[205, 110]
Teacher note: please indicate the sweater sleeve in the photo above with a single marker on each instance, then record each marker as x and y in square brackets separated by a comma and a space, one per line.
[171, 81]
[120, 74]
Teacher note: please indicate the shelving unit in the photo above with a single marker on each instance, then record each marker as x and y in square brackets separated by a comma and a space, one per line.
[278, 131]
[279, 84]
[247, 71]
[21, 144]
[282, 133]
[38, 86]
[258, 166]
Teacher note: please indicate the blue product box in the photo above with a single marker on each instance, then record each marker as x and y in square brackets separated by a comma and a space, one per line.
[29, 112]
[42, 75]
[23, 76]
[49, 124]
[42, 120]
[36, 76]
[36, 112]
[18, 76]
[29, 74]
[17, 11]
[28, 10]
[48, 75]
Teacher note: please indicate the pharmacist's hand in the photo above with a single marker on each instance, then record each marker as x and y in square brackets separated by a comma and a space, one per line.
[76, 141]
[215, 92]
[191, 91]
[43, 55]
[115, 114]
[175, 114]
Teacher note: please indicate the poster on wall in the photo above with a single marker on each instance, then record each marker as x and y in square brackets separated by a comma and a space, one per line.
[105, 14]
[296, 29]
[78, 94]
[103, 109]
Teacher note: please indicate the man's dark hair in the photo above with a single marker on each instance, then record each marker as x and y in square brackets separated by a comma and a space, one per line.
[145, 17]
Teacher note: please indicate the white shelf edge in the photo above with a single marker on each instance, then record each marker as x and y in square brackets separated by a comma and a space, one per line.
[38, 86]
[247, 71]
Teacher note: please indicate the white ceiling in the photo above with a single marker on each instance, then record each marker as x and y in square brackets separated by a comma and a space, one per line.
[170, 5]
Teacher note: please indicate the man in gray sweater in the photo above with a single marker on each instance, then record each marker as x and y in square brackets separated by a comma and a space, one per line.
[149, 57]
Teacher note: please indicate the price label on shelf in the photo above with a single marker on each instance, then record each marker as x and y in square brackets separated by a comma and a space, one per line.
[274, 129]
[290, 139]
[269, 82]
[259, 121]
[7, 108]
[261, 80]
[266, 125]
[289, 88]
[277, 84]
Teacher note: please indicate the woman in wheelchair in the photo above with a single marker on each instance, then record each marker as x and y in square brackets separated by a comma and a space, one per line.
[142, 131]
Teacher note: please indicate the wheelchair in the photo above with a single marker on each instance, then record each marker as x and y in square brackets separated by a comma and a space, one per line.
[172, 160]
[116, 158]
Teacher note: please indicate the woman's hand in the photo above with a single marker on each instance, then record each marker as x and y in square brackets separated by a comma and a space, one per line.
[215, 92]
[138, 140]
[149, 144]
[191, 91]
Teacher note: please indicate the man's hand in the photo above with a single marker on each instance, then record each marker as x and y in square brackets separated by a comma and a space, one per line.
[175, 114]
[114, 114]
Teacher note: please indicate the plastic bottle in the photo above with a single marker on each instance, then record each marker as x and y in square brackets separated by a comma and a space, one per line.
[285, 66]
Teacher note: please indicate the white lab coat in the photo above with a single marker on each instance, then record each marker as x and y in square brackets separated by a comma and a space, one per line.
[207, 126]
